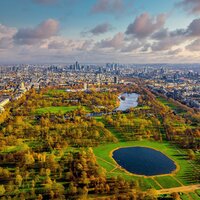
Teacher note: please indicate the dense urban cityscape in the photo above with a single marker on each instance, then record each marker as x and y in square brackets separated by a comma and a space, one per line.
[181, 84]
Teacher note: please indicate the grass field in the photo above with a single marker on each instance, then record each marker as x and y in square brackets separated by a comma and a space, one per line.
[55, 91]
[171, 105]
[182, 177]
[56, 109]
[198, 192]
[167, 181]
[184, 196]
[11, 149]
[194, 196]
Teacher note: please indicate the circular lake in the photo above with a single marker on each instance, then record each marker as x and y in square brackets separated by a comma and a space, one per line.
[143, 161]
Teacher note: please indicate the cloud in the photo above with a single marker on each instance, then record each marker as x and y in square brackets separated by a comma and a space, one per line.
[61, 43]
[166, 39]
[194, 28]
[6, 31]
[132, 46]
[5, 43]
[30, 36]
[101, 29]
[6, 36]
[86, 45]
[145, 25]
[192, 6]
[109, 6]
[175, 52]
[45, 1]
[194, 46]
[161, 34]
[166, 44]
[116, 42]
[57, 45]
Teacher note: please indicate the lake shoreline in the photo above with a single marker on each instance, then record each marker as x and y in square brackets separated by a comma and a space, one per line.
[130, 101]
[173, 172]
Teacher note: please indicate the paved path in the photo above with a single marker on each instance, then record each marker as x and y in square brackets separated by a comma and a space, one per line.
[107, 162]
[188, 188]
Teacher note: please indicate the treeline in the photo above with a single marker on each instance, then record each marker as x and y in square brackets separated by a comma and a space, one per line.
[57, 132]
[184, 130]
[73, 175]
[136, 125]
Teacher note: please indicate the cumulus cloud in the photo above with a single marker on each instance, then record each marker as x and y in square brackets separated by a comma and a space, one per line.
[192, 6]
[166, 44]
[145, 25]
[29, 36]
[6, 31]
[132, 46]
[110, 6]
[116, 42]
[161, 34]
[57, 45]
[61, 43]
[6, 36]
[194, 46]
[194, 28]
[6, 43]
[100, 29]
[165, 39]
[86, 45]
[149, 34]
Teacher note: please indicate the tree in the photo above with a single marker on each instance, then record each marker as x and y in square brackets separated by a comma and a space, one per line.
[2, 190]
[152, 193]
[72, 189]
[18, 180]
[40, 197]
[175, 196]
[29, 159]
[191, 154]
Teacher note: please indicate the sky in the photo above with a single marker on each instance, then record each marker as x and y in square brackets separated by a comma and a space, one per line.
[99, 31]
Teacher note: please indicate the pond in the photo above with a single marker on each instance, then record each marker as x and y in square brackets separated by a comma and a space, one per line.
[127, 100]
[143, 161]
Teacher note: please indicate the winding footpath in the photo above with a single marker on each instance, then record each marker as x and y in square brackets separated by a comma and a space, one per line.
[188, 188]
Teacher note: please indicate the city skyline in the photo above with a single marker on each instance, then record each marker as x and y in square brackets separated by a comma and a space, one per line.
[125, 31]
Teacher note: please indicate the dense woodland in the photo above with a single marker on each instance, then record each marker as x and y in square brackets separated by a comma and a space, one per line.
[49, 155]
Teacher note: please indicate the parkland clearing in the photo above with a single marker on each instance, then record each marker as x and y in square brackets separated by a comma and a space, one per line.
[59, 144]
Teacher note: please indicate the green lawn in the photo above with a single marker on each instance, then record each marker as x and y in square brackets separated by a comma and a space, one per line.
[198, 192]
[184, 175]
[56, 109]
[116, 133]
[184, 196]
[167, 181]
[11, 149]
[171, 105]
[194, 196]
[153, 183]
[55, 91]
[142, 108]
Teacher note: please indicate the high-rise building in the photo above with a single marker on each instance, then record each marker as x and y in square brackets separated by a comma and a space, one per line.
[116, 79]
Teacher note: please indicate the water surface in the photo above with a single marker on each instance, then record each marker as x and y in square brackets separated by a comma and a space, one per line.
[131, 100]
[143, 161]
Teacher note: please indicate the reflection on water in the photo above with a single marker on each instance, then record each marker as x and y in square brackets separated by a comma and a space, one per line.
[131, 100]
